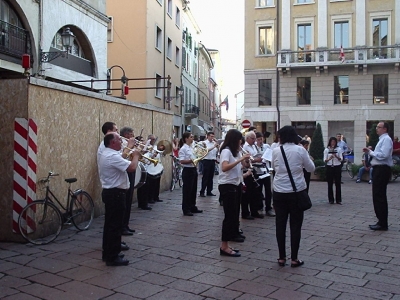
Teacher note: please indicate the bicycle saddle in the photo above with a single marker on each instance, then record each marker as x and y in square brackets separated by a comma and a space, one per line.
[71, 180]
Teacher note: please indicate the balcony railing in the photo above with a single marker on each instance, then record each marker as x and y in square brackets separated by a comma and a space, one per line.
[191, 111]
[14, 41]
[326, 57]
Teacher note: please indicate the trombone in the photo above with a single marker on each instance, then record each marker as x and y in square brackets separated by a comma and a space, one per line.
[143, 159]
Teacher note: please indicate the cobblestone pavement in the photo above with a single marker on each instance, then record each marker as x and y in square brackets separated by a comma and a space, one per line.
[177, 257]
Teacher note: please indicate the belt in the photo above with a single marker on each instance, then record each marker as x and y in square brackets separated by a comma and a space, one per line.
[380, 166]
[115, 190]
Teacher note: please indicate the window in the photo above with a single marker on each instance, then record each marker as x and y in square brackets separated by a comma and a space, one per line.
[264, 38]
[183, 58]
[264, 92]
[76, 48]
[169, 48]
[380, 37]
[304, 1]
[341, 34]
[110, 26]
[177, 56]
[169, 8]
[341, 89]
[159, 86]
[159, 39]
[265, 3]
[160, 2]
[195, 70]
[304, 90]
[304, 42]
[178, 18]
[380, 91]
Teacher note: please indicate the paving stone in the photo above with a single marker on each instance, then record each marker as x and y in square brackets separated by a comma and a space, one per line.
[48, 279]
[190, 286]
[140, 289]
[50, 265]
[258, 289]
[221, 294]
[88, 291]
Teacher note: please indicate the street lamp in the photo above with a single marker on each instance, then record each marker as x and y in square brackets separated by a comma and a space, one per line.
[67, 40]
[168, 99]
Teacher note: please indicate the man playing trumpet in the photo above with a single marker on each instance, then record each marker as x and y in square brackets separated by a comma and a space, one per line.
[209, 164]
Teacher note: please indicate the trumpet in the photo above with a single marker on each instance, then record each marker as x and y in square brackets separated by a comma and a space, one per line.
[143, 159]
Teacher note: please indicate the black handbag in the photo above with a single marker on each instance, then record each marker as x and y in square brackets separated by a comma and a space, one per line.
[303, 199]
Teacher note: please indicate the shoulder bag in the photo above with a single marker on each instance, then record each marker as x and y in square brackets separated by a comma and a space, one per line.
[303, 199]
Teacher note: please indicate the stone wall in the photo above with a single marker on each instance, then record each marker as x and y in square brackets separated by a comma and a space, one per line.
[69, 124]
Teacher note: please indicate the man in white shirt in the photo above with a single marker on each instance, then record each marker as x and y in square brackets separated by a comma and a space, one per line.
[381, 163]
[209, 165]
[115, 183]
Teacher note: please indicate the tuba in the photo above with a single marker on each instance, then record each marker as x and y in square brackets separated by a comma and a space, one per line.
[199, 151]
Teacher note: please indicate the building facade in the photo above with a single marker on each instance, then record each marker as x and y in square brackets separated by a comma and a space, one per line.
[333, 62]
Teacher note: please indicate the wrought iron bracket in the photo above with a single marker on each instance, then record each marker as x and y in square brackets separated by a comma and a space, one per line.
[49, 56]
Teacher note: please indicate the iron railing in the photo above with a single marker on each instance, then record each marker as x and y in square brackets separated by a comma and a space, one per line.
[191, 109]
[14, 41]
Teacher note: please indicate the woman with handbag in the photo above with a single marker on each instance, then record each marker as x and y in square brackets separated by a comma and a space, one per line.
[333, 157]
[287, 181]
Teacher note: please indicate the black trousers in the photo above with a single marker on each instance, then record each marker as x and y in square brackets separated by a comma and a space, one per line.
[266, 184]
[208, 175]
[115, 204]
[380, 178]
[230, 195]
[285, 205]
[153, 187]
[143, 195]
[189, 189]
[129, 198]
[251, 198]
[334, 174]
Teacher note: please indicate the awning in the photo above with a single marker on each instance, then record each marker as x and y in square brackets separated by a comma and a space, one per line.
[198, 130]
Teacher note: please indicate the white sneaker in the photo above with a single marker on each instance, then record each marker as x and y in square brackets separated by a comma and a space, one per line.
[358, 181]
[270, 213]
[369, 182]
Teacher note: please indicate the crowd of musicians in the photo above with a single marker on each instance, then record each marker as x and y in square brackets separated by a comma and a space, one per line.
[245, 165]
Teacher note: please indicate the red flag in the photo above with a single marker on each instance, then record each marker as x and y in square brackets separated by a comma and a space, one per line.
[341, 55]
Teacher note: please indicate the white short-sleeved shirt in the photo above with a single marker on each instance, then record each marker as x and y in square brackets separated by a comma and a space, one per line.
[298, 159]
[112, 168]
[185, 153]
[234, 175]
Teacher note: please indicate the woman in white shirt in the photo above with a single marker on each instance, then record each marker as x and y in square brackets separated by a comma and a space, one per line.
[333, 156]
[189, 175]
[230, 189]
[285, 200]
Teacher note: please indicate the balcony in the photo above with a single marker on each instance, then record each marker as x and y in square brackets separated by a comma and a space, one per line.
[14, 41]
[191, 111]
[324, 57]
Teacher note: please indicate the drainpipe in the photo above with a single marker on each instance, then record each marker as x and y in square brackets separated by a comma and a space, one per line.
[164, 46]
[277, 72]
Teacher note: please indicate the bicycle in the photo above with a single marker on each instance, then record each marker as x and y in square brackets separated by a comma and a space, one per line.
[41, 221]
[176, 173]
[348, 167]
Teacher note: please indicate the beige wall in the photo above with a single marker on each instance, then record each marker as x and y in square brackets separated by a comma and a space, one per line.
[69, 131]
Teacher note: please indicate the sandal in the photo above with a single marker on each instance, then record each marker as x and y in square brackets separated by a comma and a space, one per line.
[297, 263]
[282, 262]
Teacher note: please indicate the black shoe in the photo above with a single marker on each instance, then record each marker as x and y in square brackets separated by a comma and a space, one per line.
[248, 217]
[196, 211]
[211, 194]
[188, 213]
[232, 254]
[331, 202]
[159, 200]
[339, 203]
[297, 263]
[259, 216]
[378, 227]
[124, 246]
[126, 232]
[146, 208]
[241, 236]
[121, 255]
[237, 239]
[201, 195]
[118, 262]
[130, 230]
[151, 201]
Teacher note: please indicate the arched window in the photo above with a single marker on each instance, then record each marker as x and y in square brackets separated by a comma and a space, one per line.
[76, 48]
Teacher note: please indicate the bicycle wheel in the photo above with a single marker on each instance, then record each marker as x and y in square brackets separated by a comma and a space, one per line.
[349, 169]
[82, 210]
[40, 222]
[180, 181]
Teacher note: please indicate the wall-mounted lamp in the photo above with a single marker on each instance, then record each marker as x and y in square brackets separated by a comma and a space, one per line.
[67, 39]
[180, 93]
